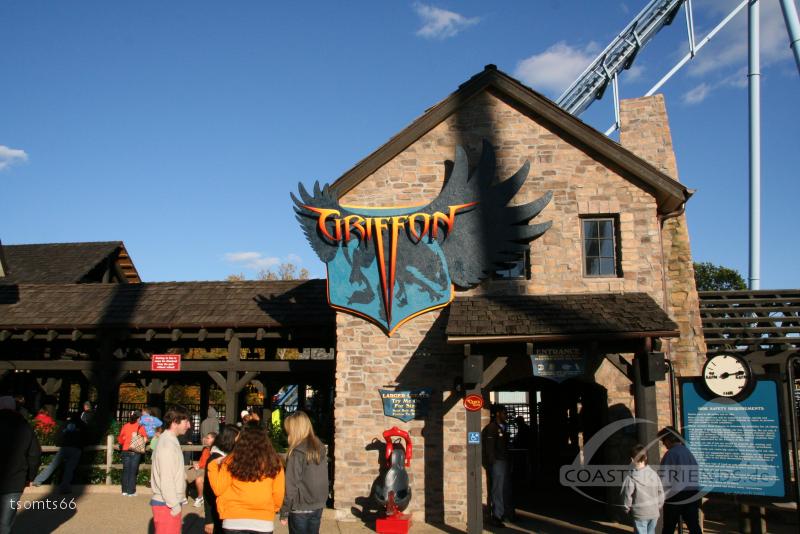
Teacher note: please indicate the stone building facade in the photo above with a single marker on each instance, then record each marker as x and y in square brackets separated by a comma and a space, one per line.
[588, 176]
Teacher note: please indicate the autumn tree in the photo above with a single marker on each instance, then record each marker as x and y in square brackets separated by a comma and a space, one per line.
[284, 271]
[710, 277]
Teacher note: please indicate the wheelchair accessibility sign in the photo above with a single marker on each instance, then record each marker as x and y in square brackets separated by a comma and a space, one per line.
[473, 438]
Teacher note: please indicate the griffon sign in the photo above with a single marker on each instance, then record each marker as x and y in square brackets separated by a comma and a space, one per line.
[389, 265]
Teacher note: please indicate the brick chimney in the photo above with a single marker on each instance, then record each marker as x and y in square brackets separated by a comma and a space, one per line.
[644, 130]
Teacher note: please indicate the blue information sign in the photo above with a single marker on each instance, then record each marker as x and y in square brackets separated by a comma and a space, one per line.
[474, 438]
[406, 404]
[737, 444]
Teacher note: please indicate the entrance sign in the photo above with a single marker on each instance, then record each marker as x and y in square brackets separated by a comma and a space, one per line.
[165, 362]
[739, 446]
[406, 405]
[390, 264]
[558, 364]
[473, 402]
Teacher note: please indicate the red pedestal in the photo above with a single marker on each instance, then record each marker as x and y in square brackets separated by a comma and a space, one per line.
[395, 524]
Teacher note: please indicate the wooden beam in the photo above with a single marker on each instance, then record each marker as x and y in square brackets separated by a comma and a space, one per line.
[244, 380]
[474, 451]
[76, 335]
[260, 334]
[5, 334]
[201, 334]
[28, 335]
[149, 335]
[176, 334]
[217, 377]
[621, 364]
[51, 335]
[228, 334]
[199, 366]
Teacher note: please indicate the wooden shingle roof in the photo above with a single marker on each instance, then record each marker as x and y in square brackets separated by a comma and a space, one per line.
[64, 263]
[558, 317]
[272, 304]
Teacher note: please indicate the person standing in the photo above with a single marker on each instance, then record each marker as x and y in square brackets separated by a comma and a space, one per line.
[211, 423]
[642, 493]
[496, 461]
[21, 454]
[249, 484]
[149, 421]
[87, 415]
[306, 476]
[71, 441]
[130, 458]
[679, 466]
[222, 447]
[168, 478]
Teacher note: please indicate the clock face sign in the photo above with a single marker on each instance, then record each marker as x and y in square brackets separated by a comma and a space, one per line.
[727, 376]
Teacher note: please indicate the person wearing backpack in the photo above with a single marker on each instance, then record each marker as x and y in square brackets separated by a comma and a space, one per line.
[306, 477]
[132, 440]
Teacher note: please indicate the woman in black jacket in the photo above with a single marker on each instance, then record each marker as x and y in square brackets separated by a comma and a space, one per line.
[306, 477]
[21, 454]
[223, 445]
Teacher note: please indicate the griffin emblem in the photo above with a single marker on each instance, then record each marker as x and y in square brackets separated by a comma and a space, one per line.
[389, 265]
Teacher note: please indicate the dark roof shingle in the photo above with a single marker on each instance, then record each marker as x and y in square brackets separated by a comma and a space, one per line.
[557, 315]
[272, 304]
[55, 263]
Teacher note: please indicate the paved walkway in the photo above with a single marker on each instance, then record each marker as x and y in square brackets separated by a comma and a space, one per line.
[101, 510]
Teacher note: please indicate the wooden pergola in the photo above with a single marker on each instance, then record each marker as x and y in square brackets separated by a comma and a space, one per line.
[230, 334]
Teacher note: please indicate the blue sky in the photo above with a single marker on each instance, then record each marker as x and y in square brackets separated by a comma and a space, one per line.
[180, 127]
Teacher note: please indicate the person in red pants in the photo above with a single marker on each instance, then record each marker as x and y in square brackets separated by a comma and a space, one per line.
[168, 478]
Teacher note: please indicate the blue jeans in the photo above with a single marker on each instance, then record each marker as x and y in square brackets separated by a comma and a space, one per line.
[305, 523]
[130, 471]
[645, 526]
[70, 456]
[501, 489]
[9, 502]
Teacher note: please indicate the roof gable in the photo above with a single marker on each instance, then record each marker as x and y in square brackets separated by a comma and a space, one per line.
[669, 193]
[54, 263]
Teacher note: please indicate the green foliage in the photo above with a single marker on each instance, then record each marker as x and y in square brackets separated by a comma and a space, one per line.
[278, 436]
[710, 277]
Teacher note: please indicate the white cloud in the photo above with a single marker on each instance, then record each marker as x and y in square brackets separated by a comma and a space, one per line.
[257, 261]
[440, 23]
[10, 156]
[556, 68]
[634, 73]
[252, 260]
[697, 94]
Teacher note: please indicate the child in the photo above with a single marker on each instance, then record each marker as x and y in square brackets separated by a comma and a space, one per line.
[154, 441]
[306, 477]
[642, 492]
[150, 421]
[200, 466]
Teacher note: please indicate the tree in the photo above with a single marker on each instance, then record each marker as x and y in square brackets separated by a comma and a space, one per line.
[710, 277]
[284, 271]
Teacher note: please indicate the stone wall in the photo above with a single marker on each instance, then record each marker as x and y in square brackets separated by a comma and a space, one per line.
[645, 132]
[417, 355]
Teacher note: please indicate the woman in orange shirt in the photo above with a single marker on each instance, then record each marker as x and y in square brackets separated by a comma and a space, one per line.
[248, 483]
[130, 459]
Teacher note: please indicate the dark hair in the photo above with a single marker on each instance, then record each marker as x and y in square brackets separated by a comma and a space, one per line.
[227, 438]
[498, 408]
[639, 453]
[175, 414]
[155, 411]
[133, 416]
[668, 434]
[253, 457]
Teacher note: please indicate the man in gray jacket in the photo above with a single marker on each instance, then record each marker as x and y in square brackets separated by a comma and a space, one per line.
[168, 478]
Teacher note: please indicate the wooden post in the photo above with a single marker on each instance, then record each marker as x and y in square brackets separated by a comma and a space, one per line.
[232, 377]
[109, 457]
[473, 377]
[644, 395]
[204, 385]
